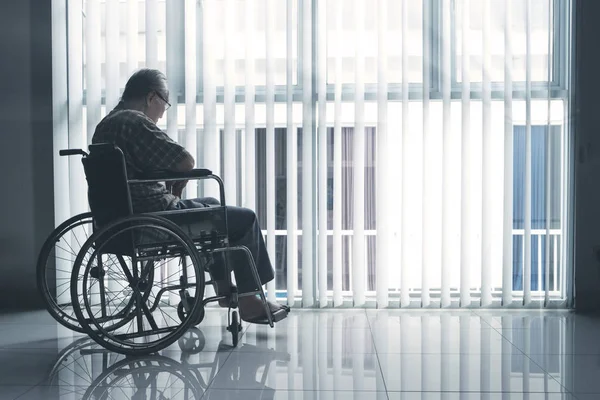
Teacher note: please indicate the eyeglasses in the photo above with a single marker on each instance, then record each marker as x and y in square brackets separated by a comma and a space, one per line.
[168, 105]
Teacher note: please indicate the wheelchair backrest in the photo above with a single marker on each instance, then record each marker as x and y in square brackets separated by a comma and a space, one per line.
[108, 191]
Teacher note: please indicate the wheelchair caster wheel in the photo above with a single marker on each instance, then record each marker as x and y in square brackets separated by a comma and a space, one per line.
[235, 328]
[182, 313]
[192, 341]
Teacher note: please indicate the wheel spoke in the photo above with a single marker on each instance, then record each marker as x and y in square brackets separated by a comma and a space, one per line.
[128, 295]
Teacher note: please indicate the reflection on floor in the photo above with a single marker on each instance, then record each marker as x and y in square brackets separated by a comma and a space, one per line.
[331, 354]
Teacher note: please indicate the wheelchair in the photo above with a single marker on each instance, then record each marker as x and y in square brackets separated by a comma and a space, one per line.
[135, 282]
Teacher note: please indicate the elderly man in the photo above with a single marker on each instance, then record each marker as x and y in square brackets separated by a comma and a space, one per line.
[132, 127]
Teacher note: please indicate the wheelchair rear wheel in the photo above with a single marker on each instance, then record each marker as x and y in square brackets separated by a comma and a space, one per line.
[150, 265]
[54, 266]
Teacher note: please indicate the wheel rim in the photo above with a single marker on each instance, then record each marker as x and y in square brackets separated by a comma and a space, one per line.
[63, 247]
[153, 319]
[55, 265]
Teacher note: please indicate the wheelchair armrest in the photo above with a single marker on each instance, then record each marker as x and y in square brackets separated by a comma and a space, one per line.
[72, 152]
[197, 173]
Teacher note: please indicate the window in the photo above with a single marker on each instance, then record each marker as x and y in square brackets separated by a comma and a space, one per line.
[283, 78]
[545, 147]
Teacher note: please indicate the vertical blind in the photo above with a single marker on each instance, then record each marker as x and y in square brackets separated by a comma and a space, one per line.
[378, 141]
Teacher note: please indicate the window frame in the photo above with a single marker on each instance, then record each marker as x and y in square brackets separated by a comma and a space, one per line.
[558, 84]
[539, 89]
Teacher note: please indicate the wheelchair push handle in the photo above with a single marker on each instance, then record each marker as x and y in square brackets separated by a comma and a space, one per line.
[72, 152]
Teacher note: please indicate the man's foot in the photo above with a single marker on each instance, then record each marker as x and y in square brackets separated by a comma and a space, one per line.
[252, 308]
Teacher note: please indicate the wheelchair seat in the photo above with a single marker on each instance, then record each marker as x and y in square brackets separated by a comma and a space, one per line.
[109, 198]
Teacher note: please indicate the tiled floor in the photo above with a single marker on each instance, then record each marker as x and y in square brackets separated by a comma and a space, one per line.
[331, 354]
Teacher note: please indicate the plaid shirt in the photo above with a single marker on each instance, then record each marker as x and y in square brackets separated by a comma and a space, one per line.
[146, 148]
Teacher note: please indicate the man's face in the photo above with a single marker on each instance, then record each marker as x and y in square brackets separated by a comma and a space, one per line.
[156, 104]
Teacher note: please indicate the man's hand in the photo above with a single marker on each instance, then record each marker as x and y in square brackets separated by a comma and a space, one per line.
[177, 188]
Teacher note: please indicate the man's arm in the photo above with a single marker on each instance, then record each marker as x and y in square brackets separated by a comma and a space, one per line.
[185, 164]
[156, 151]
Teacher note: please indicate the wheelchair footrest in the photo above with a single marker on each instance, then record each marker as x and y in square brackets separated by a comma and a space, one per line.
[280, 314]
[276, 317]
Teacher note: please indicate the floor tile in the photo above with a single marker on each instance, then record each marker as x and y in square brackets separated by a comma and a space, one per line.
[413, 318]
[465, 373]
[578, 373]
[435, 334]
[35, 336]
[13, 392]
[586, 396]
[311, 336]
[332, 318]
[320, 354]
[303, 371]
[478, 396]
[110, 392]
[167, 369]
[269, 394]
[37, 317]
[580, 336]
[25, 367]
[54, 392]
[517, 319]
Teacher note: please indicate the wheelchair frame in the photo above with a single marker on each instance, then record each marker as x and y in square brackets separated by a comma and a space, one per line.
[205, 245]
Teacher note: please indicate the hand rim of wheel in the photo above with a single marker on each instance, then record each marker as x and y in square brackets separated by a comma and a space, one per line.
[52, 306]
[41, 266]
[101, 336]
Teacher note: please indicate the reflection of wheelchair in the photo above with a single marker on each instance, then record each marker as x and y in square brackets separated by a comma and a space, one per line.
[135, 282]
[89, 372]
[150, 377]
[84, 370]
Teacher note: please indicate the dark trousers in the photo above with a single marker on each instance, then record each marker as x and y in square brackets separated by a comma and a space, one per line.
[243, 231]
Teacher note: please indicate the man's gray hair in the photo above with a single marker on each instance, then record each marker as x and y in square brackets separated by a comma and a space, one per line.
[145, 81]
